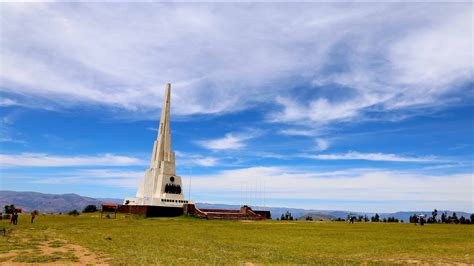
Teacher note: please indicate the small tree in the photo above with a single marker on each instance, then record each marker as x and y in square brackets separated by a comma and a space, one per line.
[455, 218]
[414, 218]
[443, 217]
[392, 220]
[89, 208]
[9, 209]
[376, 218]
[73, 213]
[434, 214]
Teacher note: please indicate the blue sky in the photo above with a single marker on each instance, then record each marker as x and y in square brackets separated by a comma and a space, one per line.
[363, 106]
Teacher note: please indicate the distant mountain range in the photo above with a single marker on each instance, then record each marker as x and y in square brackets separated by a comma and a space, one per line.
[48, 203]
[59, 203]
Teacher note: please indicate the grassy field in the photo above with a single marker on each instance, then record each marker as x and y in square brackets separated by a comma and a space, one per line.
[88, 239]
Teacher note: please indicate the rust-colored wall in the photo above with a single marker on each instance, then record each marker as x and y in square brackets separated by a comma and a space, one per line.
[151, 211]
[245, 213]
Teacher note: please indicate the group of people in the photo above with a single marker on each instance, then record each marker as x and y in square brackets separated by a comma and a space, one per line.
[14, 217]
[173, 189]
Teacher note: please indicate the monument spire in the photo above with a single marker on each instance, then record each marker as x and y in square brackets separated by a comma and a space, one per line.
[162, 146]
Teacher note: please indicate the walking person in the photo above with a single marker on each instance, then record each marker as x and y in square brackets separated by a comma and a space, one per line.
[33, 215]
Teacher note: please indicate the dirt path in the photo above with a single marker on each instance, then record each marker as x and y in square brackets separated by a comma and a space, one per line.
[49, 251]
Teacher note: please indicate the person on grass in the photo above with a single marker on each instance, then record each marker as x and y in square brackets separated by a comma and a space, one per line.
[33, 215]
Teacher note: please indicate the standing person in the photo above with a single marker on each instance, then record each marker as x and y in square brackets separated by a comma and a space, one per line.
[15, 218]
[33, 215]
[353, 219]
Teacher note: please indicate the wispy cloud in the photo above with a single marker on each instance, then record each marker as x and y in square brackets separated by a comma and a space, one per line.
[231, 141]
[104, 177]
[444, 166]
[344, 185]
[322, 144]
[206, 161]
[297, 132]
[379, 66]
[7, 102]
[152, 129]
[352, 155]
[192, 159]
[8, 139]
[47, 160]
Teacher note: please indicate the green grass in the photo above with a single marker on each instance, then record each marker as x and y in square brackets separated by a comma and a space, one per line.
[194, 241]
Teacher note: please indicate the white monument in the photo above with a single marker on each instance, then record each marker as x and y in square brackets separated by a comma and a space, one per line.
[161, 186]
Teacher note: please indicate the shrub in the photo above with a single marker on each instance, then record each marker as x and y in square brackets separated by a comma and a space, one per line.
[73, 213]
[9, 209]
[89, 208]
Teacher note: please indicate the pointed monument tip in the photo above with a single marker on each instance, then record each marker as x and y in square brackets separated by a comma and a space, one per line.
[168, 85]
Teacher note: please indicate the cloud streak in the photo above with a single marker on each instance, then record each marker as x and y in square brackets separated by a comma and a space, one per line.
[231, 141]
[191, 159]
[47, 160]
[387, 157]
[371, 185]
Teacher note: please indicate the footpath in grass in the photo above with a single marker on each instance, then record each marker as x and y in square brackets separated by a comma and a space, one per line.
[90, 239]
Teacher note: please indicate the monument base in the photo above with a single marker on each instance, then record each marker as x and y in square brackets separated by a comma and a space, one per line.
[151, 211]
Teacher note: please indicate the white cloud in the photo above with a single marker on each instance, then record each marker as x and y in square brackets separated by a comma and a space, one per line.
[207, 161]
[104, 177]
[106, 173]
[390, 56]
[7, 102]
[444, 166]
[352, 155]
[372, 185]
[152, 129]
[322, 144]
[8, 139]
[231, 141]
[47, 160]
[191, 159]
[297, 132]
[319, 111]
